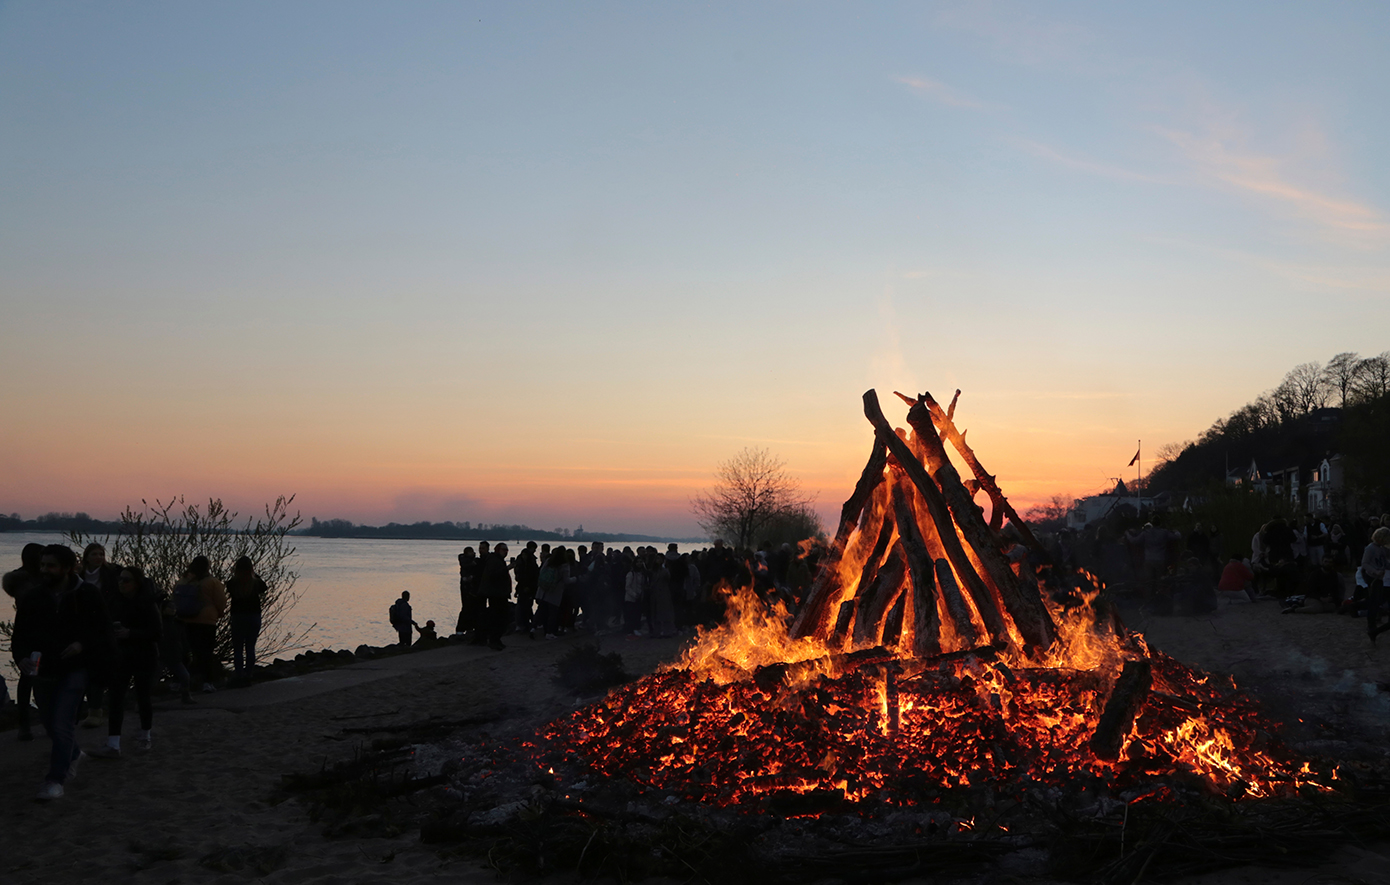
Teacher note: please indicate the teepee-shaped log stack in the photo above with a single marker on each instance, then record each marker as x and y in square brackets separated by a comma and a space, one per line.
[913, 561]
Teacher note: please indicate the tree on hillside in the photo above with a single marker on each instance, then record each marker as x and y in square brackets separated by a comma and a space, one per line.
[752, 495]
[1304, 389]
[1342, 373]
[1373, 380]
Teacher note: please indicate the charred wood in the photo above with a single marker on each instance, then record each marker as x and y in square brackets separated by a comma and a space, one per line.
[881, 595]
[1024, 605]
[1131, 690]
[939, 516]
[926, 621]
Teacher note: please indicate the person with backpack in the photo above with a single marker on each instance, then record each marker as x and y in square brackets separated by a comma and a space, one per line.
[401, 620]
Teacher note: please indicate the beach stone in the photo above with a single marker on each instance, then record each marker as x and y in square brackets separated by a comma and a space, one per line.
[364, 652]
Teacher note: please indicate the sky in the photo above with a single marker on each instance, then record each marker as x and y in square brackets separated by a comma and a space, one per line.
[552, 263]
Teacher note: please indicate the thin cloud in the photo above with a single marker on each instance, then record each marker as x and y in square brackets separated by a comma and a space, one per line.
[940, 92]
[1120, 174]
[1265, 176]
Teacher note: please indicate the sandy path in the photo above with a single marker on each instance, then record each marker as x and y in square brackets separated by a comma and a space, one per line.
[206, 786]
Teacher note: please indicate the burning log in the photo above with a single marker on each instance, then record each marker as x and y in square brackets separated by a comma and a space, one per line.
[879, 598]
[999, 505]
[1026, 608]
[1128, 696]
[926, 620]
[939, 519]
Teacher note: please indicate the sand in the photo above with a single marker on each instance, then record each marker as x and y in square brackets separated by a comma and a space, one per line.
[200, 803]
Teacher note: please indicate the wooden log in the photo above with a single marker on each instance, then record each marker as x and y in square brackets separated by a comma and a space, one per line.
[956, 608]
[939, 515]
[1024, 605]
[863, 490]
[896, 619]
[815, 615]
[881, 596]
[999, 504]
[921, 570]
[1128, 696]
[843, 618]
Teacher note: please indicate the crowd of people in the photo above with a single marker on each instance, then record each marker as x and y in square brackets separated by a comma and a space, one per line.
[1310, 565]
[88, 632]
[546, 592]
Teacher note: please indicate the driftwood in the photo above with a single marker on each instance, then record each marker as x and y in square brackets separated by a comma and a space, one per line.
[938, 518]
[1131, 690]
[880, 597]
[1026, 608]
[926, 621]
[984, 481]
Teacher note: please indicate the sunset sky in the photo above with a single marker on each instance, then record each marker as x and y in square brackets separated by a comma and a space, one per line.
[551, 263]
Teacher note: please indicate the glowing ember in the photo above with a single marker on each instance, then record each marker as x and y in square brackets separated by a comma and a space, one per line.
[922, 662]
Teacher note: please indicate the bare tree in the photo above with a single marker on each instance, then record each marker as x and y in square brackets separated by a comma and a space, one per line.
[1341, 374]
[751, 493]
[1374, 379]
[1052, 514]
[1304, 389]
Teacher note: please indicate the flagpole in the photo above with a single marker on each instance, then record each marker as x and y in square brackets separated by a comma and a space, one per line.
[1139, 472]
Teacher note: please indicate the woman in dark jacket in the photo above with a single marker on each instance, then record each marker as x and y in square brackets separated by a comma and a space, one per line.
[137, 625]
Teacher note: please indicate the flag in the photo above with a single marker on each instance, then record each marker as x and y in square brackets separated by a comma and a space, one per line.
[1135, 458]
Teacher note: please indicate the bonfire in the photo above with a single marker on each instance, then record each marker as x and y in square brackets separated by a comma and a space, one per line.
[925, 660]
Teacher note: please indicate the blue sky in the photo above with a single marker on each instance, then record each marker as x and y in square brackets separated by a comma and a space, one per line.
[551, 263]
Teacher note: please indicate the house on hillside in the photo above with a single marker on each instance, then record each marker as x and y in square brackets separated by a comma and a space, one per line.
[1249, 477]
[1327, 485]
[1090, 510]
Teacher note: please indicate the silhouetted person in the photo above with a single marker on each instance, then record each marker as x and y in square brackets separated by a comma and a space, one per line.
[496, 585]
[66, 625]
[468, 590]
[247, 593]
[17, 585]
[137, 625]
[401, 619]
[95, 570]
[201, 628]
[527, 577]
[427, 632]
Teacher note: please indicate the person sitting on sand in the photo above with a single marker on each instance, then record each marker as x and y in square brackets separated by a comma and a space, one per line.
[400, 619]
[1237, 577]
[427, 632]
[1323, 591]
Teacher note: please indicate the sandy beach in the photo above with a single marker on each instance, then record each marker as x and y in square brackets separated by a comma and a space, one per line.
[200, 807]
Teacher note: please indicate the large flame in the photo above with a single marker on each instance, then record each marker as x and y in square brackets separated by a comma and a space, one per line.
[754, 713]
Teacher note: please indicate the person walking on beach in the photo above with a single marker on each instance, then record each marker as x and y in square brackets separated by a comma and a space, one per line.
[401, 619]
[104, 576]
[247, 593]
[136, 624]
[61, 631]
[17, 585]
[201, 628]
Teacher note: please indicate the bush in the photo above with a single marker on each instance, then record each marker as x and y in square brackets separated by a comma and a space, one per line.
[162, 538]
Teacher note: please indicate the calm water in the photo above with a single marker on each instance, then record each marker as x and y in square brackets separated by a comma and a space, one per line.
[345, 585]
